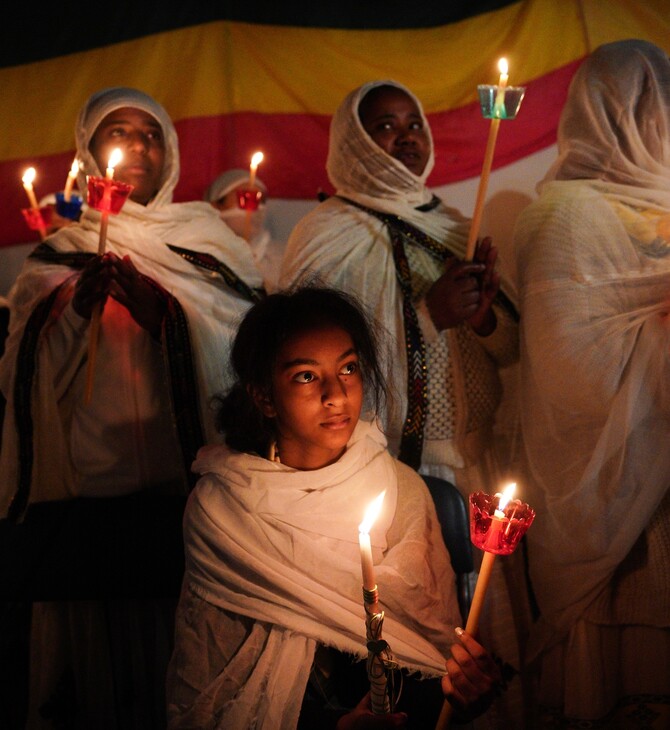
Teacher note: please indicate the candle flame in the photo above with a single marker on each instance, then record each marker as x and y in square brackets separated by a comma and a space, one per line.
[114, 158]
[371, 513]
[502, 66]
[75, 167]
[507, 494]
[29, 176]
[256, 159]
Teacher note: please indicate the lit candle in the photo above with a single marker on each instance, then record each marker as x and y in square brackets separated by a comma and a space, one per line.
[69, 183]
[367, 567]
[113, 161]
[28, 178]
[256, 160]
[499, 104]
[491, 546]
[378, 650]
[499, 521]
[488, 160]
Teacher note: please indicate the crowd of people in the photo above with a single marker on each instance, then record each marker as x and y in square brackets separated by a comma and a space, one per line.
[275, 388]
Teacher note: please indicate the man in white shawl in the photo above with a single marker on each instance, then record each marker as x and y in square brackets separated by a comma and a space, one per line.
[593, 266]
[174, 280]
[385, 238]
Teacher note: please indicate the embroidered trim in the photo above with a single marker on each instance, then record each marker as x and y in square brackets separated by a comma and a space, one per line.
[211, 263]
[411, 442]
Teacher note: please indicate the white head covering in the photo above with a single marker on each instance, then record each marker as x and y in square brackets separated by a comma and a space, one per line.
[102, 103]
[615, 125]
[357, 165]
[228, 181]
[593, 257]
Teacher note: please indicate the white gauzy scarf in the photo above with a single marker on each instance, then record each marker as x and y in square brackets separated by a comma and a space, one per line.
[593, 259]
[281, 546]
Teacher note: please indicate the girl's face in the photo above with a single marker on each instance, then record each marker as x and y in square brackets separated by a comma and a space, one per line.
[317, 395]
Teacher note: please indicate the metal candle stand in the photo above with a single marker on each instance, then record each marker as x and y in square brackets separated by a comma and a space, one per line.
[381, 665]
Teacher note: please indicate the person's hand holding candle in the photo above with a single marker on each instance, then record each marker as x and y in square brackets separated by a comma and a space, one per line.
[497, 524]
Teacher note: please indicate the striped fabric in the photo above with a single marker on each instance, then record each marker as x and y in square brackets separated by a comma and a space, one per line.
[244, 79]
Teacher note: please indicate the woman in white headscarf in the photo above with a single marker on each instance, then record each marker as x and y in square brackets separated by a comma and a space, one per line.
[385, 238]
[174, 280]
[593, 263]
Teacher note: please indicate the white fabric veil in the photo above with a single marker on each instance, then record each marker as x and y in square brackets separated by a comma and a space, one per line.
[593, 259]
[361, 170]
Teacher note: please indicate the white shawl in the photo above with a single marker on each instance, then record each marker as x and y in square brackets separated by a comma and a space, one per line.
[593, 260]
[281, 546]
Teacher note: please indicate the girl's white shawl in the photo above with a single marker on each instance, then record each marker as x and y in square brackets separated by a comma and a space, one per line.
[281, 546]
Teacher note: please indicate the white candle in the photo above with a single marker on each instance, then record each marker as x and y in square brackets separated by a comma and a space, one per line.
[367, 566]
[114, 160]
[499, 521]
[498, 113]
[256, 160]
[499, 104]
[69, 183]
[27, 179]
[505, 497]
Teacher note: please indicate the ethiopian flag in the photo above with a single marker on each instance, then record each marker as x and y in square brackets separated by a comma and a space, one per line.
[237, 78]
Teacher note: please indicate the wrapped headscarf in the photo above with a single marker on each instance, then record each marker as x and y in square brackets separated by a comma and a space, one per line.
[616, 122]
[359, 169]
[106, 101]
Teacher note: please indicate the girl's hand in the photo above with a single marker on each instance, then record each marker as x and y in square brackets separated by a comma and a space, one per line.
[472, 677]
[483, 321]
[455, 296]
[362, 718]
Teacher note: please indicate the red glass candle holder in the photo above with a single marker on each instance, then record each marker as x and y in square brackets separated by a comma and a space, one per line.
[38, 219]
[249, 199]
[495, 533]
[107, 196]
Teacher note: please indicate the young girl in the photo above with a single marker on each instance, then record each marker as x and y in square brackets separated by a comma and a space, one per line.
[272, 604]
